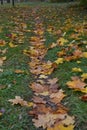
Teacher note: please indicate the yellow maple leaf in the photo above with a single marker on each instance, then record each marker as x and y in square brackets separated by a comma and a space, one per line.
[61, 41]
[76, 69]
[84, 54]
[70, 127]
[30, 104]
[59, 61]
[12, 45]
[84, 76]
[43, 76]
[84, 90]
[61, 127]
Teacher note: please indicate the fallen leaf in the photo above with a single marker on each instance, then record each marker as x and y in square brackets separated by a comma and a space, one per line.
[43, 76]
[76, 83]
[52, 81]
[84, 97]
[19, 71]
[61, 127]
[84, 76]
[68, 120]
[59, 61]
[12, 45]
[2, 87]
[84, 54]
[76, 69]
[61, 41]
[2, 42]
[18, 100]
[47, 120]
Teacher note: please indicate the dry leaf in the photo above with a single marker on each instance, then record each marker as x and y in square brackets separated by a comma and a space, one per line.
[68, 120]
[84, 54]
[61, 127]
[76, 83]
[76, 69]
[61, 41]
[84, 97]
[19, 71]
[84, 76]
[59, 61]
[18, 100]
[52, 81]
[12, 45]
[46, 120]
[2, 42]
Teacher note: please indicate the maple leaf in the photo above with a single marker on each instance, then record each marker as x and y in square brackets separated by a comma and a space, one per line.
[47, 120]
[24, 25]
[37, 99]
[52, 45]
[61, 127]
[84, 76]
[2, 59]
[52, 81]
[68, 120]
[76, 69]
[43, 77]
[18, 100]
[84, 97]
[61, 41]
[57, 97]
[19, 71]
[76, 83]
[59, 61]
[84, 54]
[2, 43]
[38, 88]
[12, 45]
[70, 127]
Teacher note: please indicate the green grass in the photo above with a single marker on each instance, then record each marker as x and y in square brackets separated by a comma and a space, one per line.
[17, 117]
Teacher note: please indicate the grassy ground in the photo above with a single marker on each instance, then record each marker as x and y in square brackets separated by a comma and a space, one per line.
[65, 18]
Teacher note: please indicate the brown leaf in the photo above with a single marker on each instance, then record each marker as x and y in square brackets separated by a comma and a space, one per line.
[57, 97]
[18, 100]
[76, 83]
[19, 71]
[84, 97]
[47, 120]
[52, 81]
[38, 88]
[37, 99]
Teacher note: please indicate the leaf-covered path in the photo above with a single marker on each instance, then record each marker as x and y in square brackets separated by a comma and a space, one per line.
[42, 54]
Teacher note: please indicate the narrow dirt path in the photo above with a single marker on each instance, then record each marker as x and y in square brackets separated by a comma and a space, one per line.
[48, 110]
